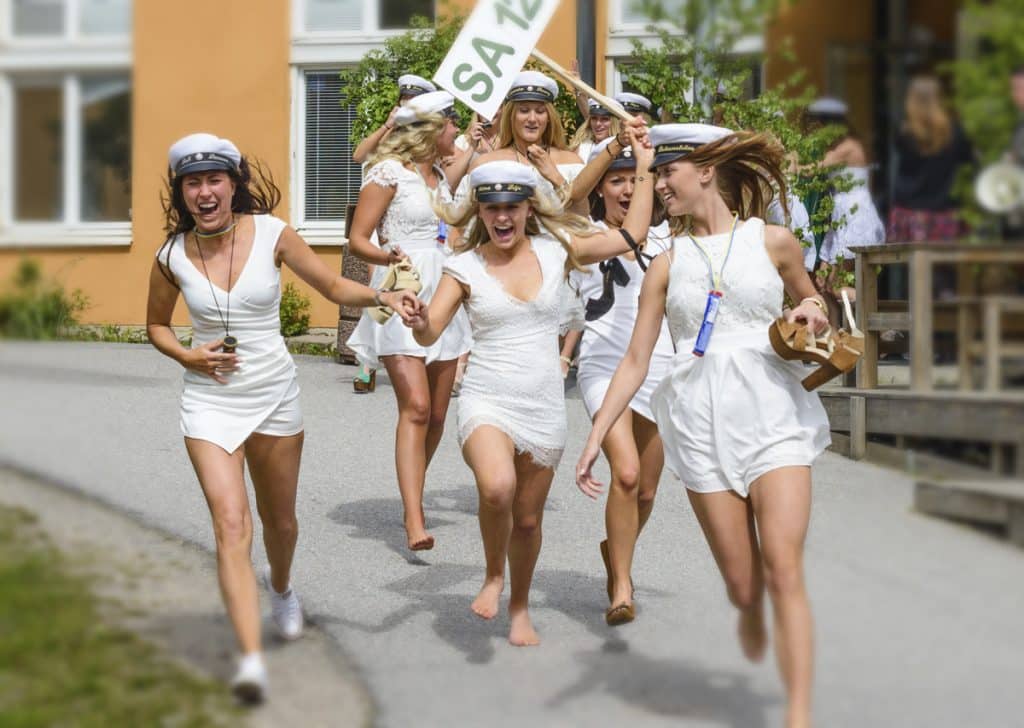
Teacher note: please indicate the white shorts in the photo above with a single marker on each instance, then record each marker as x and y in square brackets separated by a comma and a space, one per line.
[286, 419]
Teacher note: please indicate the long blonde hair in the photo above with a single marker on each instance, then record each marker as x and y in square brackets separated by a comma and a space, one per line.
[585, 134]
[416, 142]
[748, 174]
[552, 218]
[928, 122]
[554, 132]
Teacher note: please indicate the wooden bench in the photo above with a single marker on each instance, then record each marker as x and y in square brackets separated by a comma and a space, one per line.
[1001, 319]
[990, 502]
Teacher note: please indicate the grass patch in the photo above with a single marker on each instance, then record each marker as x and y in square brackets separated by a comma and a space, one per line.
[62, 664]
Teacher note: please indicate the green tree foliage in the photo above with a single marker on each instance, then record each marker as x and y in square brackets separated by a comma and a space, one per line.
[372, 85]
[694, 76]
[35, 307]
[994, 34]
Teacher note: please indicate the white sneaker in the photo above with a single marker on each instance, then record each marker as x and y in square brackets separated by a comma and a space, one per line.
[285, 609]
[249, 684]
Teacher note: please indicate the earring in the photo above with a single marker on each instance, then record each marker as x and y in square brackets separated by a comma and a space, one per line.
[600, 194]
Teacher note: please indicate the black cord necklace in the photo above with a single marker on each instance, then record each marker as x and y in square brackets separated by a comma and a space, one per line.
[230, 342]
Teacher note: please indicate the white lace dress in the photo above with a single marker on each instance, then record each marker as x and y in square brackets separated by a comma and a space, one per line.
[513, 381]
[226, 414]
[863, 225]
[606, 338]
[411, 224]
[739, 411]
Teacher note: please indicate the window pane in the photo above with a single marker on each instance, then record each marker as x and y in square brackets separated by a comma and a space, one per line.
[105, 17]
[633, 10]
[106, 116]
[397, 14]
[38, 17]
[39, 145]
[332, 179]
[334, 15]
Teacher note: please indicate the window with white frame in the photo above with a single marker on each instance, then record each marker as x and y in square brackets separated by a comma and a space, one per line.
[362, 16]
[328, 180]
[65, 122]
[635, 12]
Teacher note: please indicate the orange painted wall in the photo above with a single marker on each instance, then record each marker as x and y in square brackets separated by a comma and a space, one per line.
[187, 78]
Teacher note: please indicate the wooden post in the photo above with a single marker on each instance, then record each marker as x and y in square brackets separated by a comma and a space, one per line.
[858, 428]
[867, 304]
[609, 103]
[920, 321]
[990, 331]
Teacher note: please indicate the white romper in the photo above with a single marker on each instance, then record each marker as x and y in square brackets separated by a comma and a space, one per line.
[410, 223]
[739, 411]
[605, 339]
[513, 381]
[262, 394]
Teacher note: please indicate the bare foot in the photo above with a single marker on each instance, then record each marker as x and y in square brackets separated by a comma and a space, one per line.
[421, 543]
[486, 603]
[521, 633]
[753, 637]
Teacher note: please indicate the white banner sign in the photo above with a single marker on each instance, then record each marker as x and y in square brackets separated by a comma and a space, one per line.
[491, 50]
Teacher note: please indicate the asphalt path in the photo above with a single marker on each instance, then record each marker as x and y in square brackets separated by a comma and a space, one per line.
[918, 621]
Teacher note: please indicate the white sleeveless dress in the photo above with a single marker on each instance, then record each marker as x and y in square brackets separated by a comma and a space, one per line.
[262, 394]
[605, 339]
[513, 381]
[410, 223]
[739, 411]
[863, 225]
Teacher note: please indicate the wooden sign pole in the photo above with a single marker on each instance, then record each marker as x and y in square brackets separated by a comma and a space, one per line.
[611, 104]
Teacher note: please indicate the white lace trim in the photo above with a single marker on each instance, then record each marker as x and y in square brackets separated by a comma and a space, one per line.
[543, 456]
[384, 173]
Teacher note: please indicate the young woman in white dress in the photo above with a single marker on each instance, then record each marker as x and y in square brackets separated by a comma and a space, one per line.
[738, 427]
[511, 413]
[598, 125]
[223, 253]
[610, 294]
[397, 200]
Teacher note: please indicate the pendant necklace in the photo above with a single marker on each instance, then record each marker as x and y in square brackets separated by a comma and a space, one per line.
[230, 342]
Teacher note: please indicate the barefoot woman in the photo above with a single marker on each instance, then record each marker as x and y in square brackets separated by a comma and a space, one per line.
[738, 428]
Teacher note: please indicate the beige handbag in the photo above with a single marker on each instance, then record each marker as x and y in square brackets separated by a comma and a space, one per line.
[400, 276]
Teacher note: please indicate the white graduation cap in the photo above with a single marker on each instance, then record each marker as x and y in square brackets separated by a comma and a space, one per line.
[202, 153]
[503, 181]
[673, 141]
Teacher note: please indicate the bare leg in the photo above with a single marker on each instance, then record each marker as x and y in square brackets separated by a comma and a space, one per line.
[533, 484]
[621, 514]
[408, 376]
[274, 468]
[782, 506]
[223, 481]
[728, 524]
[652, 462]
[440, 376]
[490, 454]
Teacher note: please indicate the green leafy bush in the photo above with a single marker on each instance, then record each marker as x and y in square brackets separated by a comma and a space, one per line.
[35, 307]
[294, 311]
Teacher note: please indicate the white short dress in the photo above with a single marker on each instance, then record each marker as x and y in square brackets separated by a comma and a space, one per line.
[513, 381]
[606, 338]
[739, 411]
[863, 226]
[262, 395]
[410, 223]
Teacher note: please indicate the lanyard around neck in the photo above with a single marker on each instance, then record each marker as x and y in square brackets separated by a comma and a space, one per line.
[714, 277]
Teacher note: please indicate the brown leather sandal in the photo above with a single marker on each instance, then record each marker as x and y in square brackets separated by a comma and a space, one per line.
[836, 352]
[619, 614]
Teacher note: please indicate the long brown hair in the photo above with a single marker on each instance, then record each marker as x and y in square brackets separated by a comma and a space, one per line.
[554, 132]
[255, 194]
[927, 121]
[748, 174]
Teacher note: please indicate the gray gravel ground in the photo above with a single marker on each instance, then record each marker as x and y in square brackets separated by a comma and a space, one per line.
[918, 620]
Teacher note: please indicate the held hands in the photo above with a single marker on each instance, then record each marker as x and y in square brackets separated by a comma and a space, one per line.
[643, 152]
[404, 303]
[584, 479]
[208, 359]
[811, 314]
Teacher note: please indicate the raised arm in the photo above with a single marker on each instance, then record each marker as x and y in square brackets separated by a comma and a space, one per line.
[591, 174]
[630, 374]
[431, 320]
[295, 252]
[366, 147]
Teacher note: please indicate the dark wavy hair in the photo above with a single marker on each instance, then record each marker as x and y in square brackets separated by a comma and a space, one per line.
[597, 206]
[255, 194]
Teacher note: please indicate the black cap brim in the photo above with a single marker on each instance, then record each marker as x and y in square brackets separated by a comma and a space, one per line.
[622, 163]
[530, 96]
[503, 196]
[206, 165]
[600, 111]
[663, 159]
